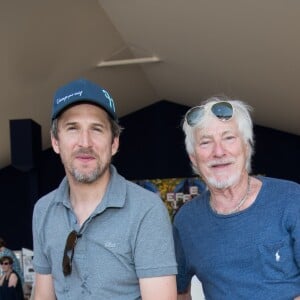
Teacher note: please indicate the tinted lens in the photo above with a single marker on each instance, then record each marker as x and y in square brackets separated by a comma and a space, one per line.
[194, 115]
[67, 265]
[222, 110]
[5, 263]
[71, 241]
[70, 245]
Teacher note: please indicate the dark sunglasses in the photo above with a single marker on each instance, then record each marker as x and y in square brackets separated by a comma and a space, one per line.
[5, 263]
[222, 110]
[70, 246]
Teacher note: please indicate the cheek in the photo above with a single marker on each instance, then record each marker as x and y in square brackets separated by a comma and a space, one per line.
[244, 151]
[203, 155]
[199, 162]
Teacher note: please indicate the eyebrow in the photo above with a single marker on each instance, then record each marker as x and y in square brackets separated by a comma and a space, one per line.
[228, 132]
[98, 124]
[208, 136]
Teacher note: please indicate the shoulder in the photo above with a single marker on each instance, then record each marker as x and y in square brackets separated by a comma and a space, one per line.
[282, 196]
[43, 205]
[13, 279]
[279, 186]
[134, 199]
[52, 197]
[142, 201]
[278, 181]
[274, 180]
[48, 205]
[132, 191]
[138, 192]
[45, 200]
[13, 275]
[121, 187]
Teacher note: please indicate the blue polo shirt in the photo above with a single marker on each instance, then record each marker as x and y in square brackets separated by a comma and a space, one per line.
[127, 237]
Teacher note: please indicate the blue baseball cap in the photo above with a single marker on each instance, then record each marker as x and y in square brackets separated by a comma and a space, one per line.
[82, 90]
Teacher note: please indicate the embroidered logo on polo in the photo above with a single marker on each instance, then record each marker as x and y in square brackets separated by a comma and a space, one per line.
[277, 256]
[110, 245]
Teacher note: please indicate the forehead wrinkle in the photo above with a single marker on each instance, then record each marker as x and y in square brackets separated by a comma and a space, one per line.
[211, 135]
[95, 123]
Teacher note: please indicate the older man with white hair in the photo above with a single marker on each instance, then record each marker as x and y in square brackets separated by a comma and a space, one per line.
[240, 238]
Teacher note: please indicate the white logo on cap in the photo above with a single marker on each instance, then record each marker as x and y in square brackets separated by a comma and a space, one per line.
[79, 93]
[110, 99]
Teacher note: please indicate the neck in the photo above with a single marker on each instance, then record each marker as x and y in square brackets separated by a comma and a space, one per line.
[88, 192]
[239, 204]
[86, 197]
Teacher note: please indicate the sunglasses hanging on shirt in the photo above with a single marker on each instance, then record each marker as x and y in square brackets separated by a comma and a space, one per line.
[70, 246]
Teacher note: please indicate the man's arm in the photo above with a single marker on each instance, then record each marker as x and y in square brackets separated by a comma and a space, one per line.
[44, 289]
[162, 288]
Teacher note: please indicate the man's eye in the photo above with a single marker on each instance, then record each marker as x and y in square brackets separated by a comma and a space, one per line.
[230, 137]
[97, 129]
[70, 128]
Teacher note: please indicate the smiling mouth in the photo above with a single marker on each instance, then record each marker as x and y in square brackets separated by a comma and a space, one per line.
[220, 164]
[84, 155]
[85, 159]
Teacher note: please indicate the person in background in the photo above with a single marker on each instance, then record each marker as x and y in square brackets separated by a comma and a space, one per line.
[4, 251]
[98, 236]
[240, 238]
[10, 283]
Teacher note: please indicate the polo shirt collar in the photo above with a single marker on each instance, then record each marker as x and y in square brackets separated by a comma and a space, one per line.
[115, 194]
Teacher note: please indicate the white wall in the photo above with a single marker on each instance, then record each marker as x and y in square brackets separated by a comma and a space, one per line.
[196, 289]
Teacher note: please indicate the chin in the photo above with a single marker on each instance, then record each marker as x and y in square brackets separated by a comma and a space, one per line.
[223, 182]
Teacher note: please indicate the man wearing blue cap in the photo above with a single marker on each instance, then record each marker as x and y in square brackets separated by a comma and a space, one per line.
[98, 236]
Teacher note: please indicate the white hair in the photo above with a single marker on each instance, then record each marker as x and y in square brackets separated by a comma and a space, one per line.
[241, 113]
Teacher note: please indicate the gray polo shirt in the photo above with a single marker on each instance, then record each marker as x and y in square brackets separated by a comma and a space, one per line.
[127, 237]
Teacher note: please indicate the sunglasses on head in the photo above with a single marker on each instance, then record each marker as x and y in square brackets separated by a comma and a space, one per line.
[222, 110]
[70, 246]
[5, 263]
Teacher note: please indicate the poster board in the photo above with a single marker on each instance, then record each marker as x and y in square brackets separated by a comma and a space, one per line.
[174, 192]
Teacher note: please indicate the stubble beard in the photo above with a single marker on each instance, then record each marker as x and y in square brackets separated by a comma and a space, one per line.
[89, 177]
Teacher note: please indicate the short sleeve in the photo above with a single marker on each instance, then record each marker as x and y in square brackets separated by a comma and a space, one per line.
[154, 253]
[40, 262]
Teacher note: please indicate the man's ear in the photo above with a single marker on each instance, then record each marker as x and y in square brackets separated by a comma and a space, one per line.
[192, 159]
[115, 145]
[54, 143]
